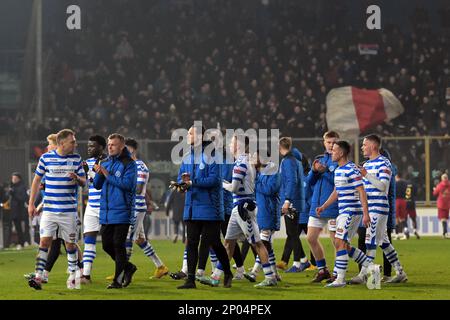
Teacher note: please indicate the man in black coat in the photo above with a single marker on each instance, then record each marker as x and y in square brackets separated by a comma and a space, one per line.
[19, 197]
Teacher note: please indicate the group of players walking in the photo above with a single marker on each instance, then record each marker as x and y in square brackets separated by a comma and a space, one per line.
[243, 200]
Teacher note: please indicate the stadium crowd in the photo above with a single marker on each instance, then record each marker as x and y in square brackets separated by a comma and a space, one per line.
[162, 65]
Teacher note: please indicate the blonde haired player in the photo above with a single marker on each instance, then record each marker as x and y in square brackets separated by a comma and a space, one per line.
[63, 172]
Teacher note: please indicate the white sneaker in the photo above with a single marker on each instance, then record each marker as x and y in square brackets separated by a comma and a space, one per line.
[374, 278]
[26, 244]
[18, 247]
[336, 284]
[399, 278]
[404, 237]
[359, 279]
[78, 279]
[71, 282]
[238, 276]
[44, 276]
[74, 281]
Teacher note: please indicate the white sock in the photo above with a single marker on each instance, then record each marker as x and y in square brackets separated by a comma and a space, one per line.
[89, 255]
[341, 264]
[213, 258]
[268, 273]
[217, 273]
[149, 252]
[296, 264]
[41, 261]
[200, 272]
[257, 265]
[392, 256]
[240, 270]
[184, 269]
[371, 253]
[129, 248]
[72, 258]
[360, 258]
[272, 262]
[304, 260]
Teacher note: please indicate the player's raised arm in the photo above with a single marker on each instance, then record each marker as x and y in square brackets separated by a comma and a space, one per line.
[381, 184]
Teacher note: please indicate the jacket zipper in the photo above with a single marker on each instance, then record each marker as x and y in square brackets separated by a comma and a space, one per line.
[192, 178]
[107, 202]
[320, 191]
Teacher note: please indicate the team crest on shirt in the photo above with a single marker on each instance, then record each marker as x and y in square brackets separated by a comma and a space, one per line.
[70, 163]
[118, 174]
[201, 166]
[332, 168]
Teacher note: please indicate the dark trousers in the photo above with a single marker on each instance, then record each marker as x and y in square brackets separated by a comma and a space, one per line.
[176, 228]
[387, 268]
[209, 231]
[292, 243]
[245, 247]
[204, 250]
[23, 234]
[113, 240]
[54, 252]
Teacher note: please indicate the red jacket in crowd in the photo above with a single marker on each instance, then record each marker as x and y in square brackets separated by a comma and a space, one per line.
[442, 192]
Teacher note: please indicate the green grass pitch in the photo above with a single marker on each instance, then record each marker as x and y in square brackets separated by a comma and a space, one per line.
[426, 261]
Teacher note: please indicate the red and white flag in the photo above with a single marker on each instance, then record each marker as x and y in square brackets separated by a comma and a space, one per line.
[351, 111]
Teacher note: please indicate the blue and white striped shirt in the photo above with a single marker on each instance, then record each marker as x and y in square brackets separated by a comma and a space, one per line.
[245, 174]
[60, 195]
[142, 179]
[380, 168]
[346, 179]
[94, 194]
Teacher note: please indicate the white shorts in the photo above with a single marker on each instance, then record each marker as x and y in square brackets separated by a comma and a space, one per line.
[91, 219]
[347, 226]
[376, 234]
[136, 231]
[238, 229]
[64, 223]
[267, 235]
[322, 223]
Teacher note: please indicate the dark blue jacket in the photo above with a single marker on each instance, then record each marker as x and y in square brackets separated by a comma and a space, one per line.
[292, 179]
[267, 187]
[323, 186]
[204, 199]
[227, 174]
[297, 154]
[304, 215]
[118, 189]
